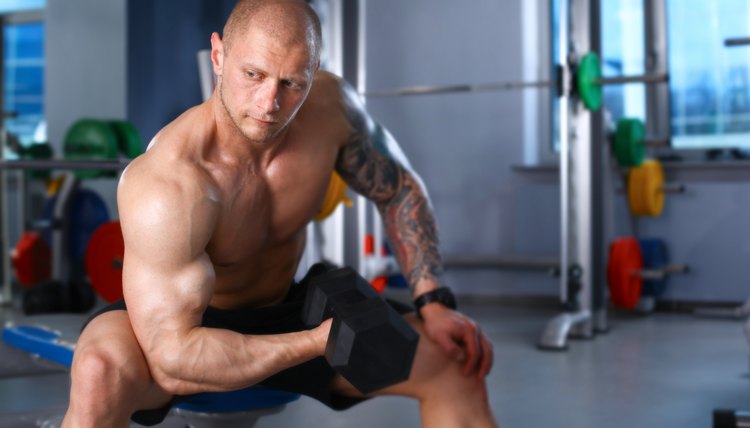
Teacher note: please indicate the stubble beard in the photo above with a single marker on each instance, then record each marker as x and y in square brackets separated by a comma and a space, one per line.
[266, 136]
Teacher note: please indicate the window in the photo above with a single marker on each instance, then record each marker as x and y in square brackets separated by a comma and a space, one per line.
[7, 6]
[709, 82]
[23, 75]
[622, 38]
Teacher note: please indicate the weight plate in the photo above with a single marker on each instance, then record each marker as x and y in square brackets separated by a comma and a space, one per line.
[655, 257]
[86, 213]
[104, 258]
[646, 189]
[335, 195]
[38, 151]
[635, 185]
[628, 142]
[90, 139]
[31, 259]
[588, 81]
[129, 140]
[625, 261]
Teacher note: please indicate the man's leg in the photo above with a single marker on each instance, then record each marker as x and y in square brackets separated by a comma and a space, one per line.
[446, 397]
[110, 377]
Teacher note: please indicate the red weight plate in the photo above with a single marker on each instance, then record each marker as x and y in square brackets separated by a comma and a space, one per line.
[625, 261]
[31, 259]
[104, 257]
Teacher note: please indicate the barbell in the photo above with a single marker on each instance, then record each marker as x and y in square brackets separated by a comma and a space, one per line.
[629, 142]
[638, 268]
[587, 84]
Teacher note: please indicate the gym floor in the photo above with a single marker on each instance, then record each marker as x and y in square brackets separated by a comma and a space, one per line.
[662, 370]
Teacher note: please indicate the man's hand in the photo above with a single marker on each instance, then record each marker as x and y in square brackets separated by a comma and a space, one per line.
[460, 337]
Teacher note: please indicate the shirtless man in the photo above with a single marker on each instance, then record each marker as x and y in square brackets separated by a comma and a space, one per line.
[214, 216]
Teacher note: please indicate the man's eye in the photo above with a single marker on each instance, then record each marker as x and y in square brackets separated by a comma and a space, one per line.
[252, 74]
[291, 85]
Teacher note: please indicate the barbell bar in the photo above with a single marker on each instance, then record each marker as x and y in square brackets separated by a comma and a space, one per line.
[737, 41]
[50, 164]
[587, 84]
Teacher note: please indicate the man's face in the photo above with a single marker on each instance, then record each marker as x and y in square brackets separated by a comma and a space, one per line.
[264, 82]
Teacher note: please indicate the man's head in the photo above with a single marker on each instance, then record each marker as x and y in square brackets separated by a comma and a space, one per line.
[265, 64]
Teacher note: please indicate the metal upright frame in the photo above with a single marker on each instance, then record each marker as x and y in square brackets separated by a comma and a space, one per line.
[581, 152]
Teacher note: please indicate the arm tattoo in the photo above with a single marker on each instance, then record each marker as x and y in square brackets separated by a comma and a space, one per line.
[370, 166]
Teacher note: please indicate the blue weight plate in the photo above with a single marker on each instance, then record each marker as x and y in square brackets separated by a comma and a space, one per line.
[655, 256]
[87, 212]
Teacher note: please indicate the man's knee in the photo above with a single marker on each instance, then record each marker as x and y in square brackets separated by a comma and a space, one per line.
[96, 368]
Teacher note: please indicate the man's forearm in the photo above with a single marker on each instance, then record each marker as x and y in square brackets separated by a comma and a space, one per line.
[208, 359]
[412, 232]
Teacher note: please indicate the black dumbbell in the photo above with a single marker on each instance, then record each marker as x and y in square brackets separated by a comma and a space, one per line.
[370, 344]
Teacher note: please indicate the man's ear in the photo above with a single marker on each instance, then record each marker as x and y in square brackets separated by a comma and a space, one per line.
[217, 54]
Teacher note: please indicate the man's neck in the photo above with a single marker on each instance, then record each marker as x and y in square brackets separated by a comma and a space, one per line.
[233, 147]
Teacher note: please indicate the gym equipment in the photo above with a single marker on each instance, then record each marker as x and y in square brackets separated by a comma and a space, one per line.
[629, 143]
[737, 41]
[50, 345]
[627, 270]
[90, 139]
[86, 212]
[128, 139]
[369, 343]
[335, 195]
[379, 282]
[646, 189]
[104, 258]
[93, 139]
[55, 296]
[66, 290]
[655, 257]
[31, 259]
[587, 83]
[727, 418]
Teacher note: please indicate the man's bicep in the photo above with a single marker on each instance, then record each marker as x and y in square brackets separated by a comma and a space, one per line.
[167, 276]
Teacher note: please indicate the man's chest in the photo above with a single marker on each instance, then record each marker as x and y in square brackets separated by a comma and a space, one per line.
[272, 209]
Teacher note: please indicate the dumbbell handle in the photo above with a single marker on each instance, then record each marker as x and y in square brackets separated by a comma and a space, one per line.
[658, 274]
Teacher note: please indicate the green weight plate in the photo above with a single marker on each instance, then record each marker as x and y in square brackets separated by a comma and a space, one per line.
[38, 151]
[128, 138]
[628, 143]
[90, 139]
[589, 87]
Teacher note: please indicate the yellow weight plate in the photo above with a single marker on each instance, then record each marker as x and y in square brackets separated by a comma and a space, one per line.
[635, 186]
[646, 189]
[335, 195]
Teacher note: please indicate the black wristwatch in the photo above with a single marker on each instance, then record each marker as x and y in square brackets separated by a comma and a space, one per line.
[442, 295]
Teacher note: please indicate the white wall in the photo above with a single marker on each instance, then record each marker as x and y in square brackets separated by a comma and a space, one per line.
[85, 73]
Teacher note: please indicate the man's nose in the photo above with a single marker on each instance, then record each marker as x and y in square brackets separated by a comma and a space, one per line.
[268, 98]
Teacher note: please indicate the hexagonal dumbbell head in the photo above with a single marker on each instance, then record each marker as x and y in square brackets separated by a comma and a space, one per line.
[371, 345]
[338, 287]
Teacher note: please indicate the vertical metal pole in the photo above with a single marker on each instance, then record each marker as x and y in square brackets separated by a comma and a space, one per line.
[564, 111]
[581, 171]
[658, 120]
[7, 296]
[599, 168]
[336, 25]
[4, 227]
[362, 204]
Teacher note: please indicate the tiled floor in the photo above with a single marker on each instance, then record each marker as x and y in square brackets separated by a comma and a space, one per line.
[664, 370]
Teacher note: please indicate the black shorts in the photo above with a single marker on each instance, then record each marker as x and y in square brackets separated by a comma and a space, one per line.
[312, 378]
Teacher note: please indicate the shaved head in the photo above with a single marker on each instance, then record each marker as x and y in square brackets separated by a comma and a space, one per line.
[290, 21]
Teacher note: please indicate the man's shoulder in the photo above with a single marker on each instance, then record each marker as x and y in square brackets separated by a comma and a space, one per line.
[155, 179]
